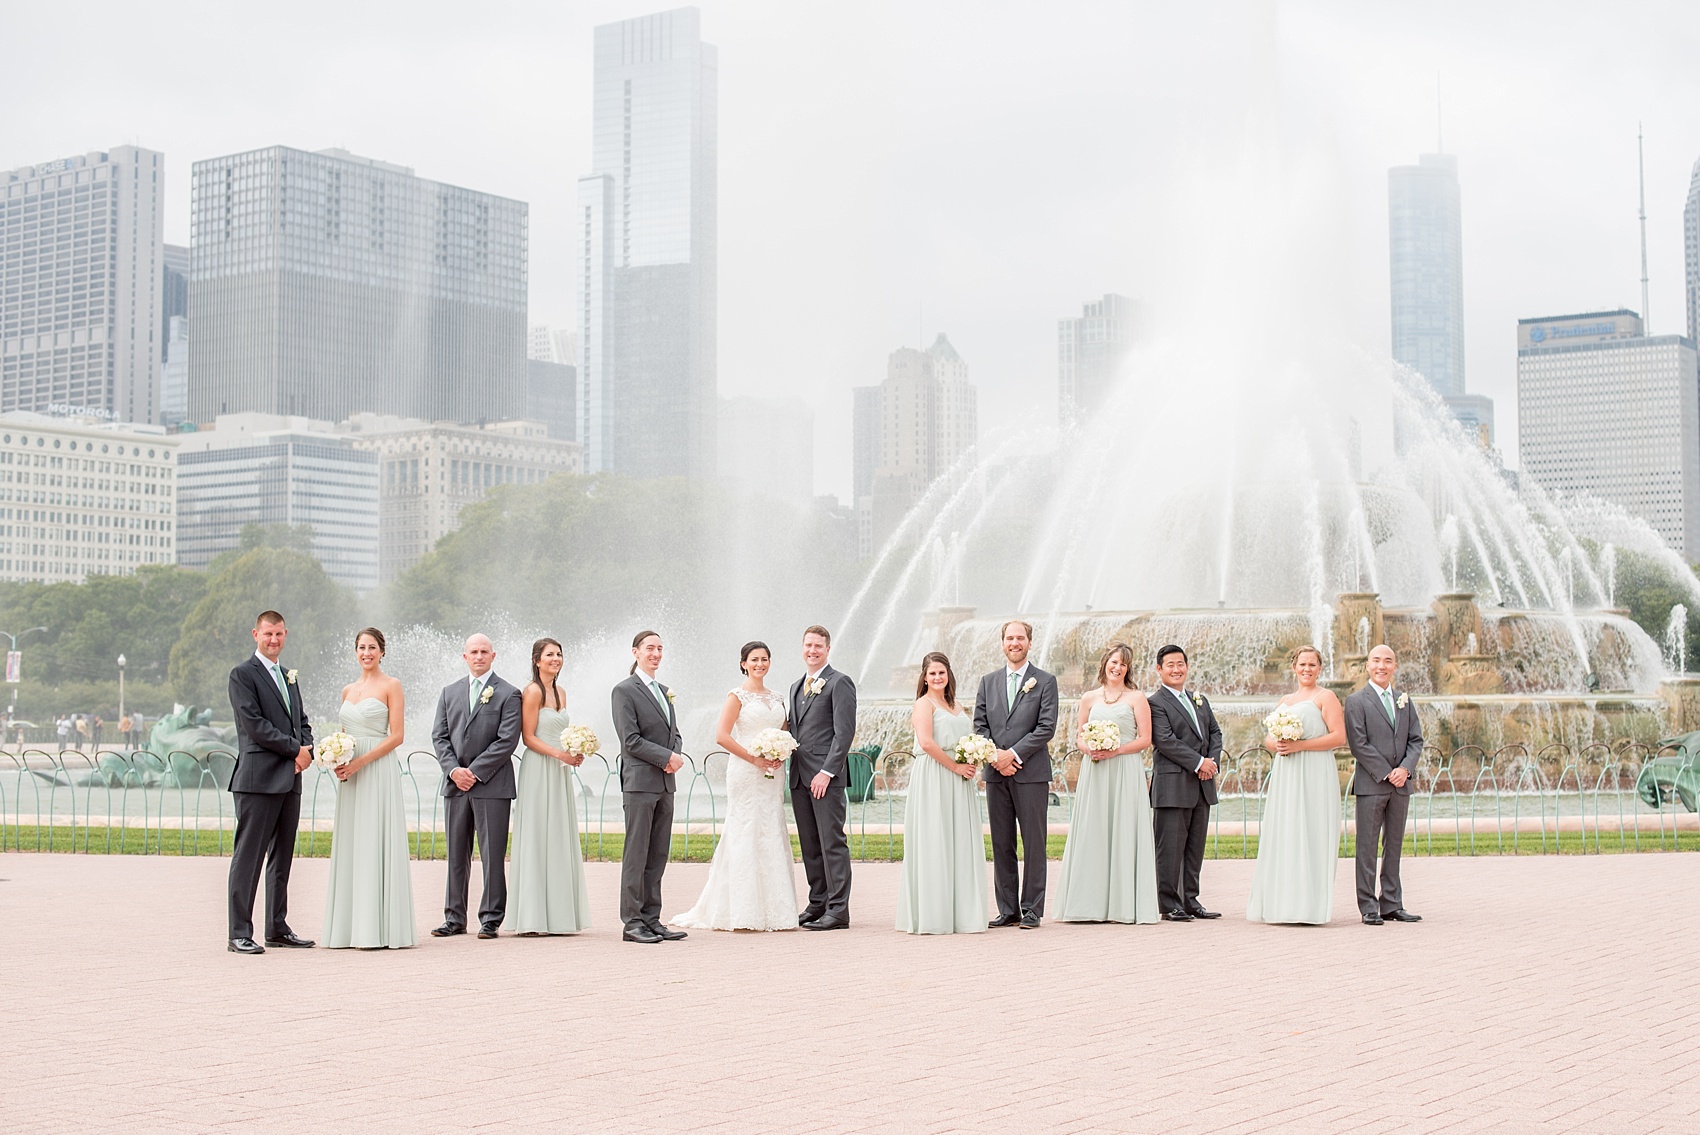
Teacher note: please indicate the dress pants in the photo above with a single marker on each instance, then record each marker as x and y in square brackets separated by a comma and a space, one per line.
[649, 837]
[1180, 854]
[462, 815]
[825, 847]
[265, 832]
[1012, 804]
[1381, 819]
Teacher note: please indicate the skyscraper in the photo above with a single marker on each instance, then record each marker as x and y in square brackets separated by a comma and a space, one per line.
[174, 289]
[928, 418]
[1603, 409]
[80, 274]
[1691, 252]
[1090, 352]
[647, 251]
[1426, 235]
[323, 284]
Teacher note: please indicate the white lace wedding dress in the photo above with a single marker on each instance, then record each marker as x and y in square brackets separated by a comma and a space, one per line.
[751, 885]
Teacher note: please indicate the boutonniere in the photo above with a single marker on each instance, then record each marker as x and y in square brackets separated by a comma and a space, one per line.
[816, 686]
[1027, 686]
[1198, 700]
[290, 677]
[484, 698]
[1404, 700]
[670, 697]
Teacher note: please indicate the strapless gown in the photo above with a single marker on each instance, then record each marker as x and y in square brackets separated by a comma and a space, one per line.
[369, 899]
[546, 893]
[1298, 840]
[942, 889]
[1109, 864]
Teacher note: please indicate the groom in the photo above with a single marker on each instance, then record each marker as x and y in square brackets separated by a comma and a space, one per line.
[475, 734]
[651, 752]
[1386, 737]
[1017, 708]
[1188, 743]
[275, 743]
[823, 720]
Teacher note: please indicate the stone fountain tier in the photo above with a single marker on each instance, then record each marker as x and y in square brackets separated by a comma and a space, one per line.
[1453, 647]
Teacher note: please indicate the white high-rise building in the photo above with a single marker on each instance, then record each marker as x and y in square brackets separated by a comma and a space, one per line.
[1606, 411]
[1691, 252]
[1091, 350]
[81, 274]
[928, 418]
[82, 497]
[647, 243]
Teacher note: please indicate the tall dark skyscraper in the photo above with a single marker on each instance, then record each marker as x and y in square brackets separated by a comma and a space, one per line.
[647, 309]
[324, 284]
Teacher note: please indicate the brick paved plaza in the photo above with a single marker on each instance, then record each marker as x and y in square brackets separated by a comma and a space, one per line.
[1540, 994]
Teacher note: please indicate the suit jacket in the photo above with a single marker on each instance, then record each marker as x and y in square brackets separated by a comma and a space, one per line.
[482, 738]
[269, 734]
[824, 725]
[648, 737]
[1025, 727]
[1381, 745]
[1180, 749]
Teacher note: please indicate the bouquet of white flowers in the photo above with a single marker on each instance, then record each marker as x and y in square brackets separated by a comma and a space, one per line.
[1102, 736]
[773, 745]
[337, 749]
[975, 750]
[579, 740]
[1285, 724]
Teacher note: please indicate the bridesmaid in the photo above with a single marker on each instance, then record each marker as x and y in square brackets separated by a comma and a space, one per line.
[1298, 841]
[1109, 864]
[369, 901]
[943, 886]
[546, 892]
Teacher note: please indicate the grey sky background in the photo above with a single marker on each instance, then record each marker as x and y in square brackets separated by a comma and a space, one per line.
[893, 169]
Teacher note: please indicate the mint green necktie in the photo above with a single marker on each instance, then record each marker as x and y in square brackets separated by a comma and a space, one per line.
[661, 698]
[1186, 704]
[1387, 704]
[282, 685]
[1011, 700]
[473, 691]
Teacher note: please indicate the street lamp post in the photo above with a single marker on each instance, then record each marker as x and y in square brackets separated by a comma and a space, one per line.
[120, 687]
[12, 700]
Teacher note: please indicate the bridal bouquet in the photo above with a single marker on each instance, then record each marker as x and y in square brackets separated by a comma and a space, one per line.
[975, 750]
[1285, 724]
[579, 740]
[773, 745]
[1102, 736]
[337, 749]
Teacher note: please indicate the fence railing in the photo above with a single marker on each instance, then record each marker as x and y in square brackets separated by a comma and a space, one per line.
[1593, 798]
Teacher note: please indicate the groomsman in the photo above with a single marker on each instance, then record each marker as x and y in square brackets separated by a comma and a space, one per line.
[274, 745]
[650, 753]
[1188, 744]
[823, 720]
[475, 733]
[1386, 738]
[1017, 708]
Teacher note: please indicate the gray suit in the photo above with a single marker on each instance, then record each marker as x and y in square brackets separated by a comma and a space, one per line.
[648, 740]
[483, 739]
[1024, 727]
[1380, 746]
[266, 793]
[824, 725]
[1180, 802]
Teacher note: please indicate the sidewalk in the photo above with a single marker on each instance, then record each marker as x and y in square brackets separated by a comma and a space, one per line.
[1550, 994]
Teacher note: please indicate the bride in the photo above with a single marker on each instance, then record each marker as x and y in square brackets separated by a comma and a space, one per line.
[750, 883]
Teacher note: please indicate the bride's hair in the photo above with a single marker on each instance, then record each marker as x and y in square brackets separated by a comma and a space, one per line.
[377, 637]
[949, 677]
[637, 641]
[746, 650]
[1125, 652]
[551, 692]
[1299, 652]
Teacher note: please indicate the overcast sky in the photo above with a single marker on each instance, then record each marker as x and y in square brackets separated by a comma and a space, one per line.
[891, 170]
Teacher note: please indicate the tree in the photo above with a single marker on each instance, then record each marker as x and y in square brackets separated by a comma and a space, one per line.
[241, 584]
[90, 623]
[1645, 588]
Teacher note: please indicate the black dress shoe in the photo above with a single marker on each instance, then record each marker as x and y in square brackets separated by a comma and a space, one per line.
[448, 930]
[1373, 920]
[1176, 915]
[827, 922]
[640, 934]
[1005, 920]
[1402, 916]
[809, 916]
[290, 940]
[1029, 921]
[1200, 912]
[245, 946]
[488, 930]
[668, 935]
